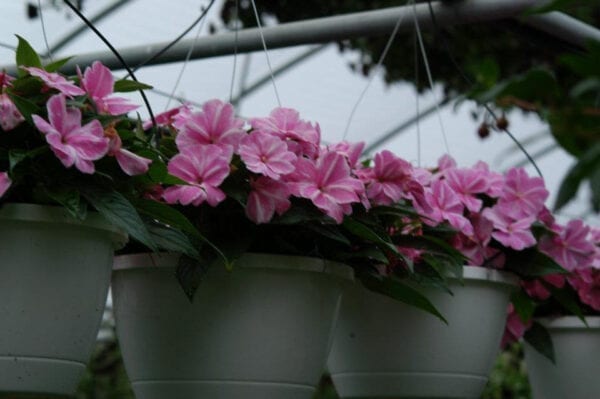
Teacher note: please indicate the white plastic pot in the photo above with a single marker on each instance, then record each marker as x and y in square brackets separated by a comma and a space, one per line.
[261, 331]
[576, 374]
[54, 277]
[386, 349]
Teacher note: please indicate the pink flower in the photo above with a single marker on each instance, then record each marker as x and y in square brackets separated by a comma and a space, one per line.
[56, 81]
[267, 197]
[510, 229]
[5, 80]
[587, 283]
[203, 167]
[170, 117]
[390, 175]
[352, 151]
[301, 137]
[465, 183]
[495, 181]
[570, 248]
[523, 193]
[10, 117]
[475, 247]
[267, 155]
[71, 142]
[98, 82]
[5, 183]
[215, 124]
[328, 184]
[131, 163]
[515, 327]
[443, 204]
[537, 290]
[446, 162]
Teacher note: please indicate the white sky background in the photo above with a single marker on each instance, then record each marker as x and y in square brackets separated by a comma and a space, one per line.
[323, 88]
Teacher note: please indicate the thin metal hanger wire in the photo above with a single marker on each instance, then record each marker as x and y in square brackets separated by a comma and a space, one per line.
[185, 63]
[418, 122]
[235, 49]
[174, 41]
[49, 52]
[470, 82]
[372, 77]
[428, 71]
[117, 54]
[262, 38]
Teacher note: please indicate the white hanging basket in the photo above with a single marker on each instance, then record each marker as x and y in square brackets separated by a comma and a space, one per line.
[576, 374]
[261, 331]
[386, 349]
[54, 277]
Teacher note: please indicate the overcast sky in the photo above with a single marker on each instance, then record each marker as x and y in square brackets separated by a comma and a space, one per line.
[323, 88]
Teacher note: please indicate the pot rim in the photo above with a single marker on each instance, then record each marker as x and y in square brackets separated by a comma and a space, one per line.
[250, 261]
[569, 322]
[493, 275]
[52, 214]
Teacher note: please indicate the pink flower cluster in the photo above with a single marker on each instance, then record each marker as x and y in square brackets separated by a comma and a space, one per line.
[575, 247]
[282, 154]
[74, 143]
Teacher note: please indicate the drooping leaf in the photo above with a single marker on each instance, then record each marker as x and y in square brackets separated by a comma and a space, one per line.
[330, 232]
[532, 263]
[126, 85]
[444, 266]
[26, 56]
[595, 188]
[523, 304]
[70, 198]
[362, 231]
[170, 239]
[373, 253]
[189, 273]
[585, 86]
[567, 299]
[167, 215]
[538, 337]
[399, 291]
[587, 165]
[119, 211]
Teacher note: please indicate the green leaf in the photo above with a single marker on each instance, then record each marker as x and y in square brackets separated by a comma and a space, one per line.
[523, 304]
[399, 291]
[126, 85]
[362, 231]
[167, 215]
[445, 266]
[120, 212]
[567, 299]
[25, 107]
[532, 263]
[190, 273]
[69, 198]
[538, 337]
[588, 164]
[172, 240]
[585, 86]
[56, 65]
[331, 232]
[373, 253]
[26, 56]
[595, 187]
[16, 156]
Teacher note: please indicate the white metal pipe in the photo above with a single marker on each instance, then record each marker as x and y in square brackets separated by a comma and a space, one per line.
[319, 30]
[565, 27]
